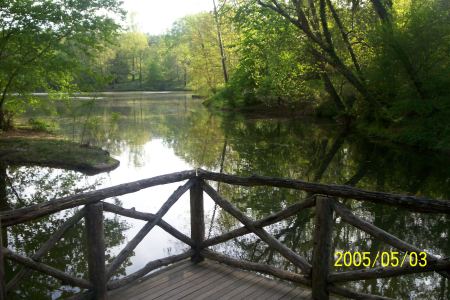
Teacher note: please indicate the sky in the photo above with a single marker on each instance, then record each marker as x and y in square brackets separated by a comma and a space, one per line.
[156, 16]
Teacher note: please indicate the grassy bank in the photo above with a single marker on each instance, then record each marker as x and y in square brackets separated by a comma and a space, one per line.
[45, 150]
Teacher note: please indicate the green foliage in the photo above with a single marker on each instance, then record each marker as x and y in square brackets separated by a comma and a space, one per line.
[389, 71]
[39, 43]
[386, 68]
[41, 125]
[272, 67]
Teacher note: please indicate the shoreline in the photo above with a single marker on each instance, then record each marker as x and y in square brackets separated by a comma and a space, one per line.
[27, 147]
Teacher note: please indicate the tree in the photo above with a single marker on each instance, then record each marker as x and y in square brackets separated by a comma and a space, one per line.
[312, 19]
[219, 39]
[134, 46]
[35, 35]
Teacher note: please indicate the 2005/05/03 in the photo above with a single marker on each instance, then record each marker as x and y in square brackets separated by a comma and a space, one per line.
[385, 258]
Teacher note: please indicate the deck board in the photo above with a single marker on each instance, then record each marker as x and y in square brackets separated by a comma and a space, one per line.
[208, 280]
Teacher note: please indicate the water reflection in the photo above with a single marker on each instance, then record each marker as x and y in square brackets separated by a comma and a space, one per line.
[153, 134]
[31, 185]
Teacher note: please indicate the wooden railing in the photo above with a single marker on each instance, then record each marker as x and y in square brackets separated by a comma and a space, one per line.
[315, 273]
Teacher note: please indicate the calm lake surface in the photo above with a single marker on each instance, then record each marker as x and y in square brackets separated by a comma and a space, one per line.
[159, 133]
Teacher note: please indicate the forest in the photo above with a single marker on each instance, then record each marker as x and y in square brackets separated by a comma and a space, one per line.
[353, 95]
[377, 66]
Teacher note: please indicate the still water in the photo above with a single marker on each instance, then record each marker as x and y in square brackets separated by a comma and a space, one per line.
[158, 133]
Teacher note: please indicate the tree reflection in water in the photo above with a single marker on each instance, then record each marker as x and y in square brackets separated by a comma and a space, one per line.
[306, 149]
[278, 148]
[32, 185]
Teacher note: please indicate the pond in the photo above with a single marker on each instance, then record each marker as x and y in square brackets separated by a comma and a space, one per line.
[159, 133]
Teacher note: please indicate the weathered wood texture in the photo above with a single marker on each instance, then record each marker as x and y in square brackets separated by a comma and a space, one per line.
[126, 251]
[47, 246]
[371, 229]
[341, 291]
[269, 220]
[205, 282]
[153, 265]
[131, 213]
[405, 201]
[322, 248]
[293, 257]
[256, 267]
[382, 235]
[197, 219]
[96, 250]
[208, 280]
[43, 268]
[25, 214]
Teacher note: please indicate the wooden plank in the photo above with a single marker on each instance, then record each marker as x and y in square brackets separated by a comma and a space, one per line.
[150, 281]
[300, 293]
[148, 268]
[297, 293]
[197, 219]
[242, 278]
[248, 291]
[169, 274]
[195, 272]
[155, 282]
[171, 285]
[201, 285]
[322, 248]
[95, 236]
[207, 280]
[265, 287]
[233, 293]
[277, 291]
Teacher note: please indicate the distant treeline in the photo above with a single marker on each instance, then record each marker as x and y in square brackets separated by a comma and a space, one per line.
[380, 64]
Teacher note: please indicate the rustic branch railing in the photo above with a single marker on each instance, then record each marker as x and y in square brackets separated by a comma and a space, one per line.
[315, 274]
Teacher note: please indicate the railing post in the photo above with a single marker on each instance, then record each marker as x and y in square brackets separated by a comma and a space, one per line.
[197, 219]
[322, 248]
[96, 250]
[2, 266]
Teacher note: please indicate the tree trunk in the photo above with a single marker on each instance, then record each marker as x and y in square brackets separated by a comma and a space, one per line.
[329, 87]
[222, 50]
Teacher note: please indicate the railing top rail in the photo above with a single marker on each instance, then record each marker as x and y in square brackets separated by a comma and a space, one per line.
[21, 215]
[419, 204]
[316, 274]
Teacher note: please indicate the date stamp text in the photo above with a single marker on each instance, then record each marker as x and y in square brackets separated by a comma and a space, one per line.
[380, 258]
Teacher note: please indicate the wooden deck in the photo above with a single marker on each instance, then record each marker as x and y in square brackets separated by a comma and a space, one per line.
[208, 280]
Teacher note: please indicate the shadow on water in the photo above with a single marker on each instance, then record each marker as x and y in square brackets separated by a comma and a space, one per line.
[305, 149]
